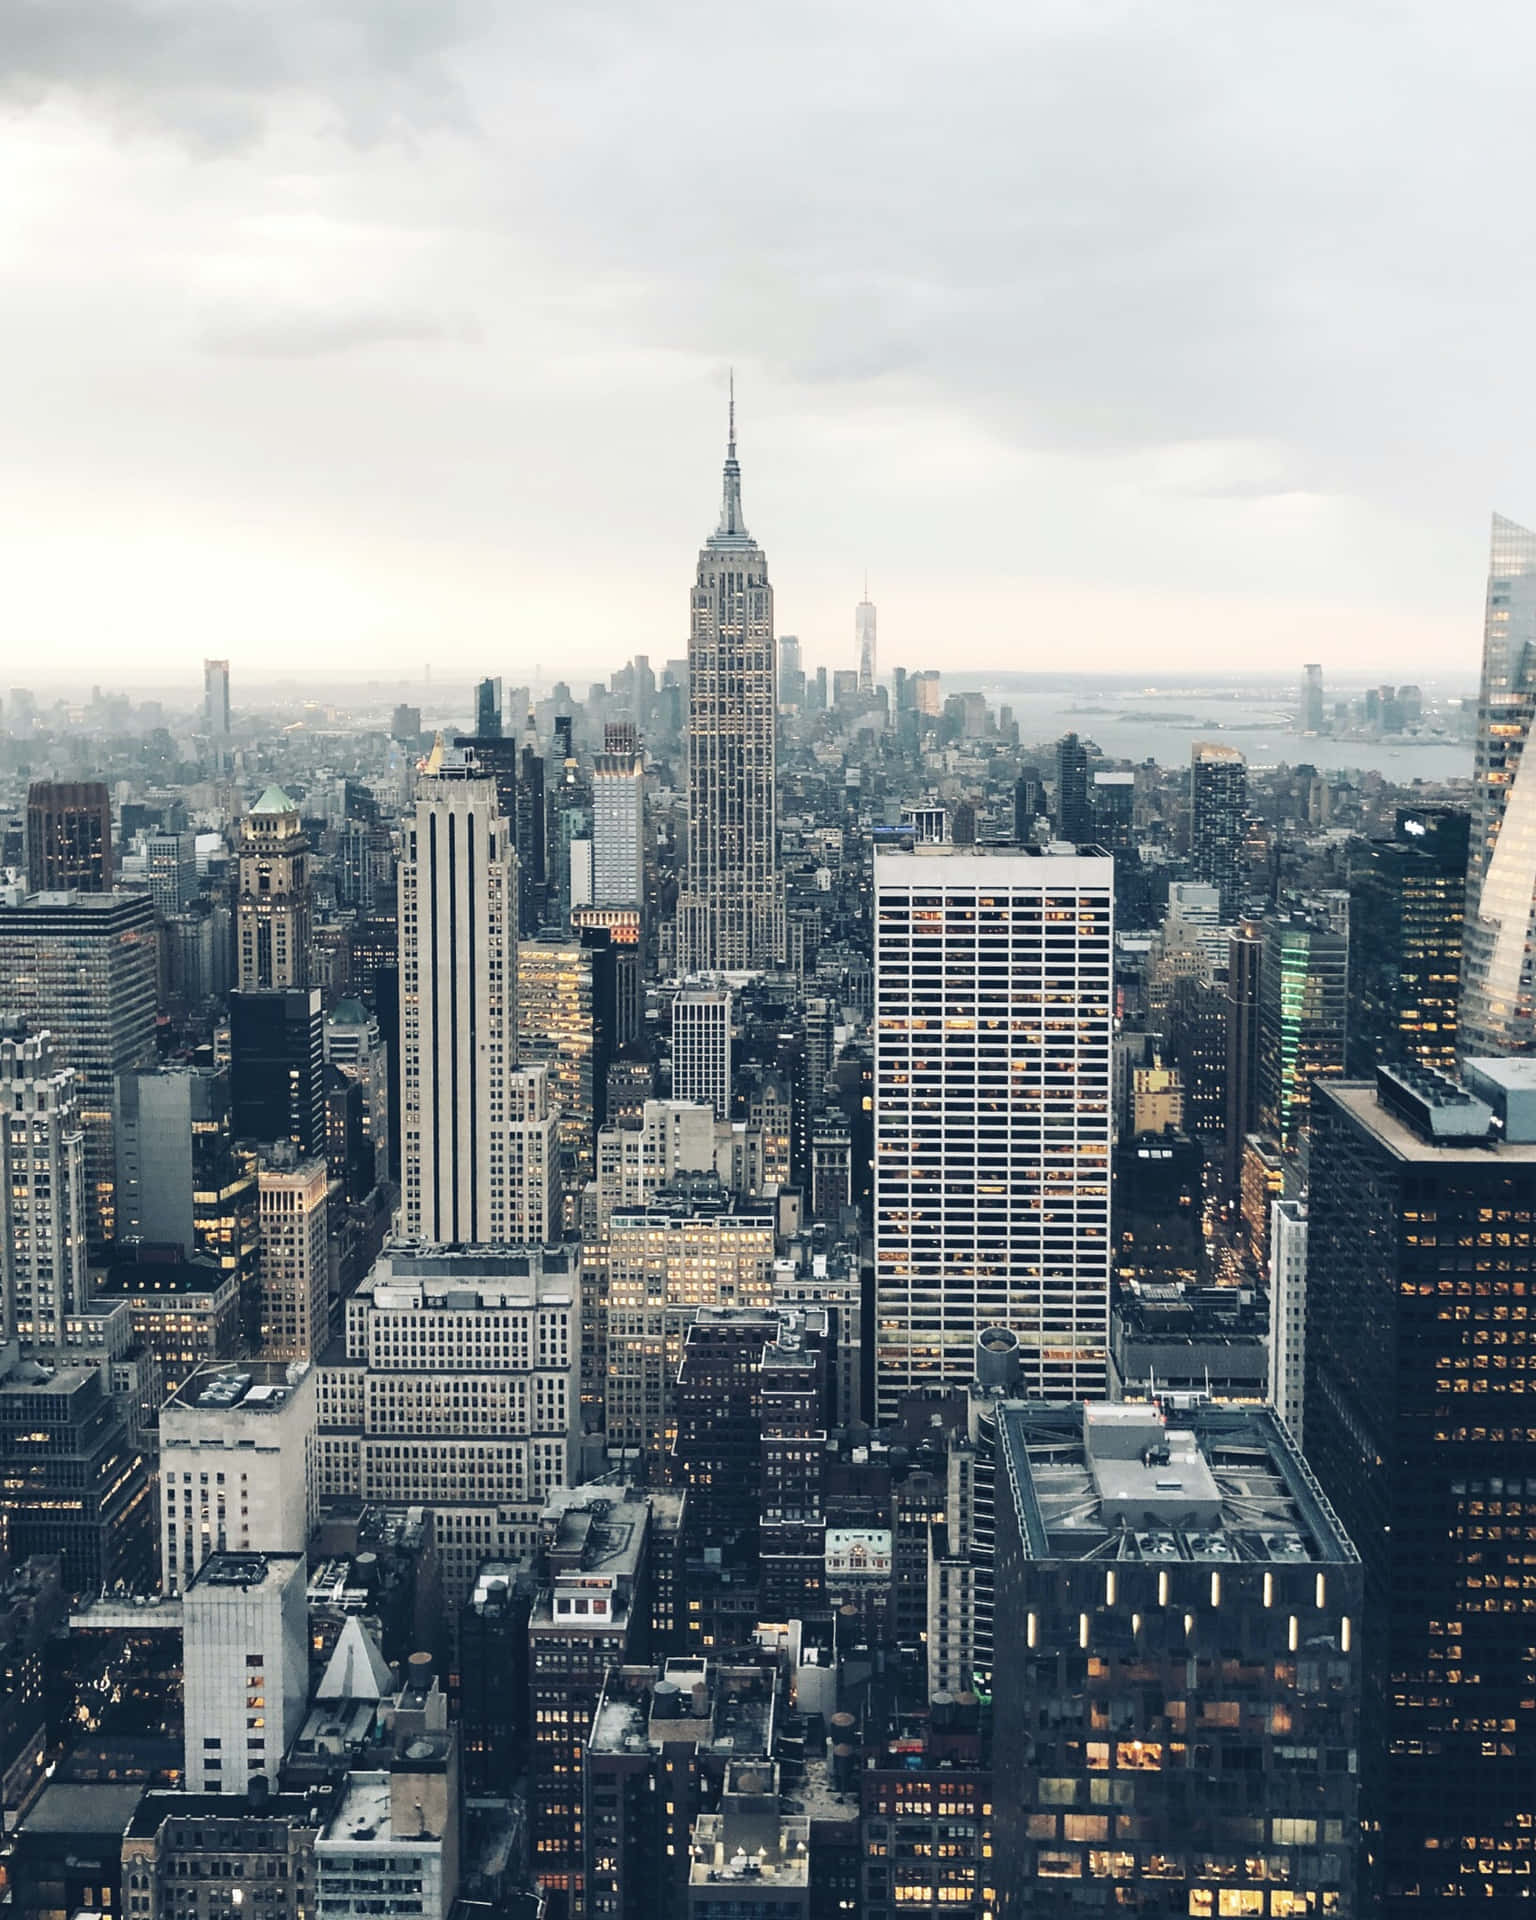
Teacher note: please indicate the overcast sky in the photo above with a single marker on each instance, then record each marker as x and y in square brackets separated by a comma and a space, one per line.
[355, 333]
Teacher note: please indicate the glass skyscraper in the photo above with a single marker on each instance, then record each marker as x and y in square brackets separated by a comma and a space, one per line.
[1498, 1003]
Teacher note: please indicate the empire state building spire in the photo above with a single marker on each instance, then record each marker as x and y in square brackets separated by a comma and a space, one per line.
[731, 905]
[732, 526]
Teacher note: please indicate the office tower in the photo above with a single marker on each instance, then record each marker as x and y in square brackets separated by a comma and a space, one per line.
[1309, 713]
[791, 671]
[272, 911]
[459, 1390]
[1288, 1312]
[561, 1027]
[928, 693]
[661, 1268]
[405, 727]
[618, 829]
[864, 629]
[42, 1194]
[76, 1480]
[1111, 797]
[277, 1067]
[589, 1617]
[993, 1025]
[216, 702]
[172, 872]
[730, 911]
[1240, 1113]
[69, 836]
[83, 967]
[1407, 902]
[246, 1634]
[1498, 1007]
[701, 1047]
[354, 1044]
[1029, 805]
[1418, 1425]
[182, 1313]
[1218, 820]
[1136, 1555]
[239, 1465]
[1074, 811]
[488, 710]
[458, 1010]
[292, 1263]
[1303, 1006]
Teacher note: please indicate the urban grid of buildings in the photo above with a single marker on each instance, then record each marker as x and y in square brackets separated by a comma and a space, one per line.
[754, 1296]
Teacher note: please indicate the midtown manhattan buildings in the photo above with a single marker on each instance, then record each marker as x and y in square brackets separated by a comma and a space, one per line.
[993, 1016]
[477, 1136]
[731, 909]
[1498, 1005]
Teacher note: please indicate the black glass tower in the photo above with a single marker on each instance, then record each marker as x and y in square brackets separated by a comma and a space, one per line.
[276, 1062]
[1420, 1419]
[1406, 907]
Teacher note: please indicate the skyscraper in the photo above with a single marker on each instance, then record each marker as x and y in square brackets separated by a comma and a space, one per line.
[216, 703]
[1309, 714]
[1498, 998]
[1418, 1425]
[1218, 819]
[864, 627]
[1406, 903]
[1303, 1004]
[276, 1067]
[172, 872]
[993, 1021]
[477, 1136]
[618, 829]
[42, 1194]
[69, 836]
[273, 911]
[1074, 809]
[731, 907]
[488, 709]
[701, 1048]
[84, 967]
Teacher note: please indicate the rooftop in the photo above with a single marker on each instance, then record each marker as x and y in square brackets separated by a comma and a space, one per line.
[245, 1571]
[1358, 1099]
[1128, 1482]
[251, 1386]
[97, 1807]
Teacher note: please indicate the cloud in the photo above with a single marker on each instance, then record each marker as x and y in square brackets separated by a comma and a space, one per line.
[1172, 301]
[301, 332]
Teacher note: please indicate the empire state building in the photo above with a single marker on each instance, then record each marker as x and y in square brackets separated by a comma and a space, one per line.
[731, 911]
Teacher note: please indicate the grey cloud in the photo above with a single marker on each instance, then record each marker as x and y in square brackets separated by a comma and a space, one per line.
[208, 70]
[298, 333]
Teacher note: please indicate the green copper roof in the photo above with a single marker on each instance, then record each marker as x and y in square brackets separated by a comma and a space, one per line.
[274, 800]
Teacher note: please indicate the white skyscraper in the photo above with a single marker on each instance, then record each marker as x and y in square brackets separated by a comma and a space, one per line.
[731, 909]
[42, 1193]
[701, 1048]
[476, 1135]
[618, 830]
[864, 627]
[1498, 994]
[993, 1018]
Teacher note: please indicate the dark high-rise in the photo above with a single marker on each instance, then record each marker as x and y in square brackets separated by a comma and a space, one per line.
[1303, 1011]
[276, 1067]
[488, 710]
[1405, 919]
[1218, 819]
[1420, 1374]
[1074, 805]
[1240, 1112]
[1028, 804]
[1174, 1724]
[69, 836]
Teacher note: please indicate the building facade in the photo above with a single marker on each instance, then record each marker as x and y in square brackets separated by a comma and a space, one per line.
[1218, 819]
[69, 836]
[272, 911]
[731, 909]
[993, 1018]
[43, 1273]
[701, 1048]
